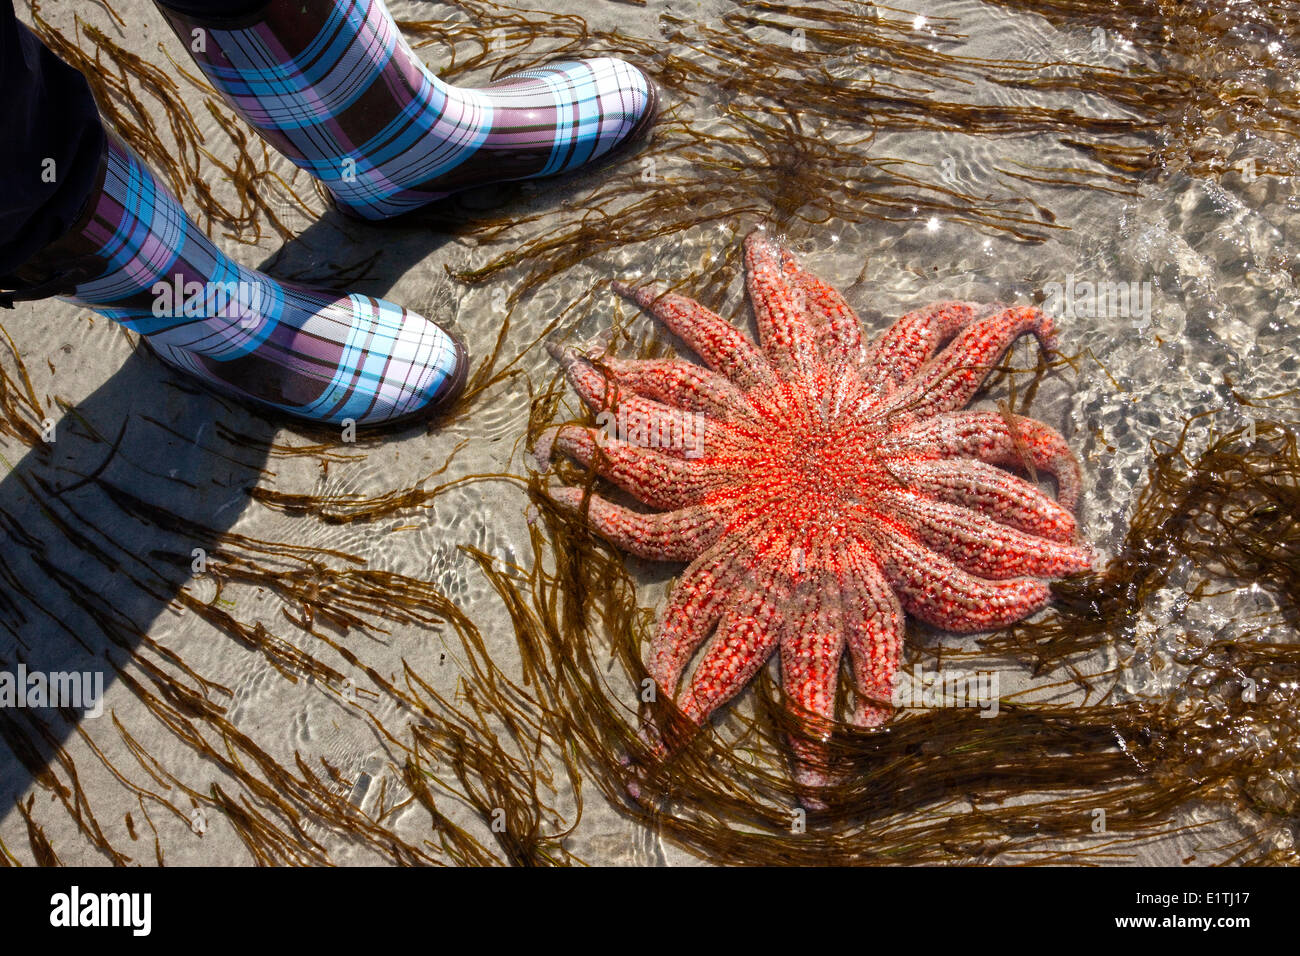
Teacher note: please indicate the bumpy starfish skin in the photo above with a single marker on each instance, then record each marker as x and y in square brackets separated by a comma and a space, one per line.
[834, 486]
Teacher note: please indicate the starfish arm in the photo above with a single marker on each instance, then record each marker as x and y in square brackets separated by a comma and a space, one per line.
[838, 330]
[989, 489]
[641, 420]
[913, 339]
[982, 546]
[682, 384]
[779, 304]
[715, 340]
[660, 481]
[808, 591]
[812, 646]
[936, 591]
[697, 603]
[680, 535]
[988, 437]
[953, 377]
[874, 629]
[744, 641]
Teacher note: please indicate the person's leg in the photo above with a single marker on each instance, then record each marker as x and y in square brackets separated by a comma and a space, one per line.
[52, 138]
[124, 247]
[333, 85]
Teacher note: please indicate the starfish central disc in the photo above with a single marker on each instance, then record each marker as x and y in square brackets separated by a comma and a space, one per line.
[820, 474]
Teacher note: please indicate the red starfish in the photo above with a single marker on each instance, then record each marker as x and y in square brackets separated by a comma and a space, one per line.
[820, 487]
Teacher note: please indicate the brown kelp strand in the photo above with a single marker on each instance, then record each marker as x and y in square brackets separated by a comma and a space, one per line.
[759, 163]
[840, 59]
[1233, 512]
[1166, 24]
[42, 851]
[1216, 81]
[58, 776]
[346, 508]
[503, 38]
[21, 412]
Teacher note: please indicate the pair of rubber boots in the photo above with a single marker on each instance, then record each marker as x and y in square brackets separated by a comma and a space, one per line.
[333, 85]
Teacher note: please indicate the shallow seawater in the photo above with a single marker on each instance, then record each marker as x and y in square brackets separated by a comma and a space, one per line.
[1201, 242]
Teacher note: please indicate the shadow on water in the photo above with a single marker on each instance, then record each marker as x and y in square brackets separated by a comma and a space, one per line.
[103, 525]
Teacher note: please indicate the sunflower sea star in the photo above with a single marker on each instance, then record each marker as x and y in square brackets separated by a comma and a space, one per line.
[835, 484]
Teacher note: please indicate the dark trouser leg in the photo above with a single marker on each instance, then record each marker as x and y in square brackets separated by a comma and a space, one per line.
[52, 140]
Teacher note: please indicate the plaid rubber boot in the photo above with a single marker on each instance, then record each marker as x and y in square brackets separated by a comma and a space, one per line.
[333, 85]
[136, 257]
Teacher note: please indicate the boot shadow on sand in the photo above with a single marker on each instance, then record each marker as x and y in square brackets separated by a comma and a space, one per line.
[102, 527]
